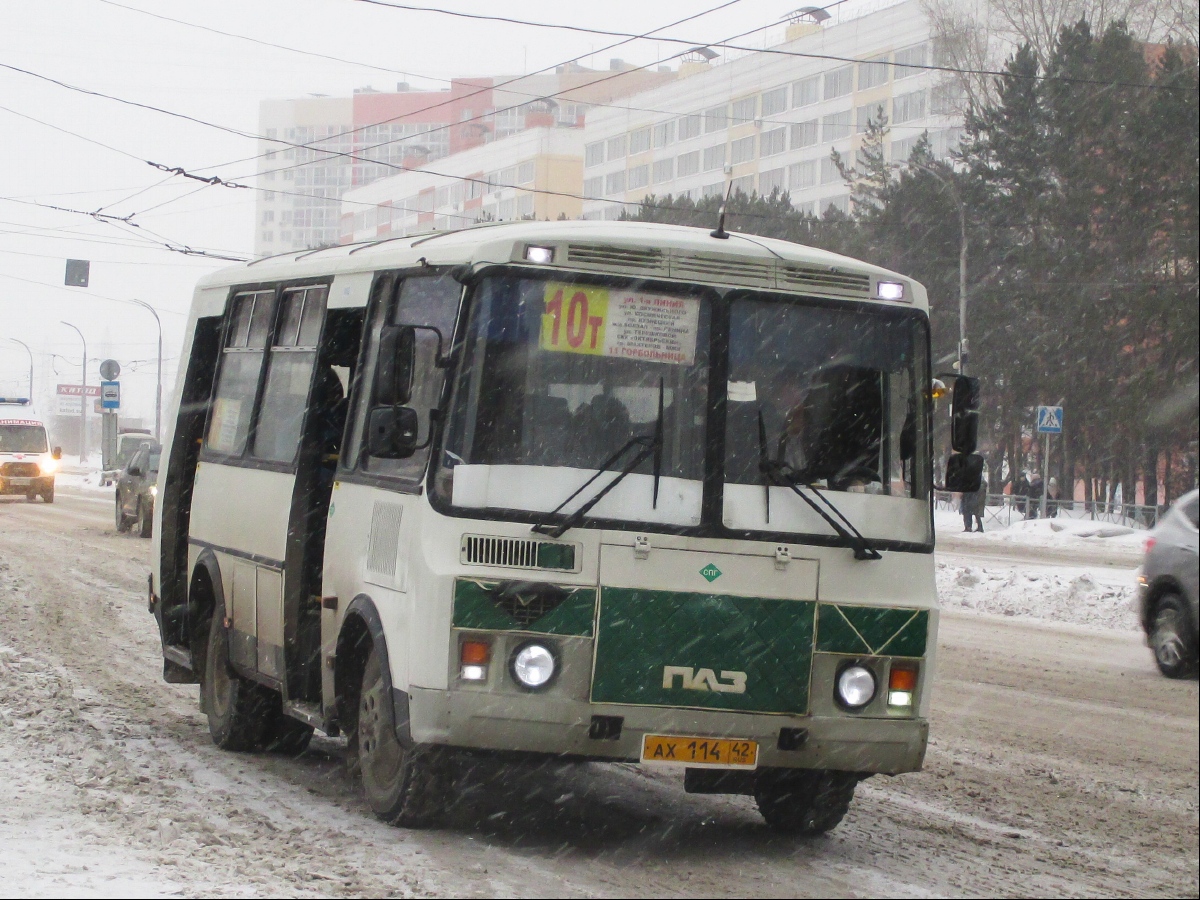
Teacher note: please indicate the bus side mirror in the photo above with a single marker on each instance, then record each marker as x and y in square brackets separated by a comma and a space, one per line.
[964, 472]
[964, 415]
[56, 453]
[394, 365]
[392, 432]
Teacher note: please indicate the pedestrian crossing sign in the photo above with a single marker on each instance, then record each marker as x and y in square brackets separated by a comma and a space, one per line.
[1049, 419]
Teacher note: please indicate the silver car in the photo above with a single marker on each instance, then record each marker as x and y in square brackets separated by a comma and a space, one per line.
[1169, 587]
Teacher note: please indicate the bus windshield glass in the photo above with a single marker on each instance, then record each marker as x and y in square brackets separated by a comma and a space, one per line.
[832, 399]
[562, 378]
[22, 438]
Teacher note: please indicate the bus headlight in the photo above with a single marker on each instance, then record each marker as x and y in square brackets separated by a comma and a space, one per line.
[855, 687]
[49, 465]
[533, 666]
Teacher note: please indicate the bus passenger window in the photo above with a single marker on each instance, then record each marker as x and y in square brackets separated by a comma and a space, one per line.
[289, 374]
[241, 362]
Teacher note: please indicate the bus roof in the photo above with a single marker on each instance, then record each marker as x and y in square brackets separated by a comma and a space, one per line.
[672, 252]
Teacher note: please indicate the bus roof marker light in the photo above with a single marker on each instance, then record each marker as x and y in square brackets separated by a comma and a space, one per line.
[891, 290]
[539, 256]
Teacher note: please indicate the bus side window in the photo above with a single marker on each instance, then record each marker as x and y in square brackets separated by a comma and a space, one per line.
[289, 374]
[241, 362]
[428, 300]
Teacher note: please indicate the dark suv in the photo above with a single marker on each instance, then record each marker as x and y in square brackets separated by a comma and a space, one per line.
[137, 487]
[1169, 586]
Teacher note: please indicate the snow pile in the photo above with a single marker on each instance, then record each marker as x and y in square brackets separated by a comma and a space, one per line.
[1059, 533]
[1103, 599]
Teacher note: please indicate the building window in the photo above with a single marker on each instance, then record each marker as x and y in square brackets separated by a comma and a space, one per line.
[841, 203]
[593, 154]
[715, 119]
[948, 99]
[806, 91]
[690, 126]
[525, 206]
[805, 134]
[908, 107]
[743, 185]
[808, 208]
[614, 183]
[689, 163]
[771, 181]
[864, 115]
[268, 216]
[873, 72]
[835, 126]
[774, 102]
[593, 187]
[664, 134]
[714, 157]
[268, 195]
[829, 172]
[803, 175]
[616, 147]
[639, 141]
[745, 110]
[717, 189]
[664, 170]
[525, 172]
[742, 150]
[268, 237]
[639, 176]
[910, 56]
[839, 82]
[773, 142]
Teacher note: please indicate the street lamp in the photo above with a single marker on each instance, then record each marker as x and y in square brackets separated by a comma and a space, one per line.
[158, 381]
[30, 352]
[82, 400]
[962, 261]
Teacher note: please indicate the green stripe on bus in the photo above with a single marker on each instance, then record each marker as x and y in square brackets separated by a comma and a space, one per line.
[766, 645]
[872, 630]
[474, 608]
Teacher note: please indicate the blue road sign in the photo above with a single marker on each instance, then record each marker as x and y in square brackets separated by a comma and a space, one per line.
[110, 395]
[1049, 419]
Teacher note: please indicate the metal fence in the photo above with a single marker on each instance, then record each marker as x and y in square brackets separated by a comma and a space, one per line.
[1004, 509]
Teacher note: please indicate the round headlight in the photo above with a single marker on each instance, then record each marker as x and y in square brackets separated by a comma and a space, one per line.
[856, 687]
[533, 666]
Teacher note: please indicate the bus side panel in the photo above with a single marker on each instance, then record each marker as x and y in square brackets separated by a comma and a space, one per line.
[183, 427]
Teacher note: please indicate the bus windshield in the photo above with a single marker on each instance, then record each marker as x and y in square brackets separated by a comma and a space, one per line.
[558, 377]
[831, 398]
[22, 438]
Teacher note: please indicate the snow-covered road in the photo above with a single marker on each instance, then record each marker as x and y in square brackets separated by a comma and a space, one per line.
[1061, 763]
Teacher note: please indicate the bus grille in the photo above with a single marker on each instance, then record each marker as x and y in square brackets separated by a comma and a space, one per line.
[516, 553]
[823, 280]
[604, 256]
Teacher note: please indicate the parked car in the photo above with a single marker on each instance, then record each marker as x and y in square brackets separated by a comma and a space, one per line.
[1168, 588]
[128, 443]
[137, 487]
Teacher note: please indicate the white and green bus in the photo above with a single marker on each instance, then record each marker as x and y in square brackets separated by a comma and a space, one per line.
[592, 491]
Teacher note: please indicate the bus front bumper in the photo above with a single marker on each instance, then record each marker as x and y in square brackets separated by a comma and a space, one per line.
[561, 727]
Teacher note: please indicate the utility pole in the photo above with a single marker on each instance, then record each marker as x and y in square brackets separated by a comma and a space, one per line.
[30, 352]
[158, 380]
[82, 400]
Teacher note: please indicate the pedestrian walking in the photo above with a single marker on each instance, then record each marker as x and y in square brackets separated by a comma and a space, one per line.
[973, 505]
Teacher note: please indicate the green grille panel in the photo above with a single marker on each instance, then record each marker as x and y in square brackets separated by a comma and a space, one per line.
[871, 630]
[474, 608]
[643, 631]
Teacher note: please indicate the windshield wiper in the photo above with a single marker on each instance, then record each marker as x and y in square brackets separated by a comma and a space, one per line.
[650, 446]
[780, 474]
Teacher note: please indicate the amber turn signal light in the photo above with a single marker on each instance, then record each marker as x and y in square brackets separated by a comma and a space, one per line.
[902, 685]
[473, 659]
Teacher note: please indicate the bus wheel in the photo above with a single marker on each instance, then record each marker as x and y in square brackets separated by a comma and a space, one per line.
[803, 801]
[404, 785]
[238, 709]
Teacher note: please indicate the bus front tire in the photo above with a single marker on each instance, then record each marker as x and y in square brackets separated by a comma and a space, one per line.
[238, 709]
[806, 802]
[404, 785]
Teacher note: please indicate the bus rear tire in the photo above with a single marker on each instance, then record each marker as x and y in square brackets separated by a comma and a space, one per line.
[404, 785]
[805, 802]
[238, 709]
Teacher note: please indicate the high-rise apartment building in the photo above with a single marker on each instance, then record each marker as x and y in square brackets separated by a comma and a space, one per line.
[350, 142]
[769, 120]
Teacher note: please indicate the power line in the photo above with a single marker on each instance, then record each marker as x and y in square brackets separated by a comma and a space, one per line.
[81, 296]
[108, 262]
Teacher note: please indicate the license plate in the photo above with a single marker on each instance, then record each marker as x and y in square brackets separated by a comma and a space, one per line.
[717, 753]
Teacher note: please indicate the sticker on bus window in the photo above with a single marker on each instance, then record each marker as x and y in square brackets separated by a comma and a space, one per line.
[626, 324]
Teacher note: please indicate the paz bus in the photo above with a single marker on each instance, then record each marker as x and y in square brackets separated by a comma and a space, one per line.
[582, 490]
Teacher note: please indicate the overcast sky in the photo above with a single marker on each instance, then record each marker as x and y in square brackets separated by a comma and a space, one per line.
[111, 47]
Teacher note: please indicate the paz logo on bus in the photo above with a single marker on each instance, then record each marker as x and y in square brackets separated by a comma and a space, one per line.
[704, 680]
[711, 573]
